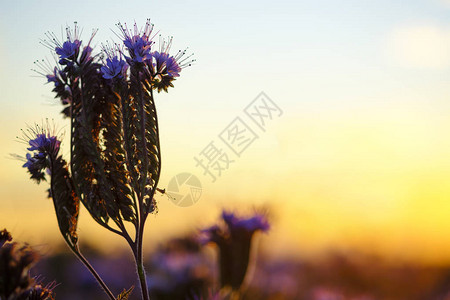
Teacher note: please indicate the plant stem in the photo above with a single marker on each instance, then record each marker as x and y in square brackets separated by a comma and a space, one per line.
[137, 251]
[97, 277]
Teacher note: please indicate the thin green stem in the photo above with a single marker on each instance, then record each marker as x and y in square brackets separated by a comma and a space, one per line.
[137, 251]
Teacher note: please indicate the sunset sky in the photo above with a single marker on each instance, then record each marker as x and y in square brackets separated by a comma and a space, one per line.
[359, 158]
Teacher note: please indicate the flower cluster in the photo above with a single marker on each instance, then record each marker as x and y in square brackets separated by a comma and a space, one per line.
[45, 147]
[115, 155]
[138, 42]
[69, 51]
[159, 65]
[165, 67]
[115, 67]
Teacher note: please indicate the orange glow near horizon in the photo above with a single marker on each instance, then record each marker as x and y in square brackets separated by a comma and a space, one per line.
[336, 187]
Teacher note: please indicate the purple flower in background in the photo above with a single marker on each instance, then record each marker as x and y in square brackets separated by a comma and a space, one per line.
[179, 269]
[234, 239]
[251, 224]
[115, 67]
[138, 42]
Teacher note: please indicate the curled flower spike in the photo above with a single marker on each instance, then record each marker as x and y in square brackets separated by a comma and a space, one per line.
[69, 51]
[115, 66]
[138, 42]
[45, 146]
[164, 67]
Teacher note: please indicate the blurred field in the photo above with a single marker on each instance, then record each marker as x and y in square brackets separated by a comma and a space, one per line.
[180, 268]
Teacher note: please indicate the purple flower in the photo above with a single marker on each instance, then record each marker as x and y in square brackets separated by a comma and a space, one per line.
[251, 224]
[172, 67]
[36, 165]
[38, 143]
[86, 54]
[139, 47]
[138, 42]
[165, 65]
[234, 240]
[57, 76]
[114, 67]
[68, 50]
[45, 148]
[45, 144]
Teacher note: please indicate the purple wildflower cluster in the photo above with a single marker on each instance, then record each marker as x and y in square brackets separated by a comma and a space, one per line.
[138, 42]
[70, 52]
[45, 148]
[160, 67]
[114, 68]
[115, 156]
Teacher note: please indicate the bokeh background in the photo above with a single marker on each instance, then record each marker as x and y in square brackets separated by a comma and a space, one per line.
[358, 161]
